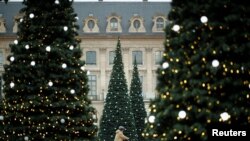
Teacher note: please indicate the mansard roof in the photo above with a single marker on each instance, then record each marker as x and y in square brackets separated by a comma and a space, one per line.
[100, 10]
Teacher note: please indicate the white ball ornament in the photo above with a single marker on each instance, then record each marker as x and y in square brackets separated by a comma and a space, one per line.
[72, 91]
[83, 68]
[176, 28]
[224, 116]
[151, 119]
[165, 65]
[77, 18]
[31, 15]
[12, 84]
[215, 63]
[12, 58]
[32, 63]
[26, 138]
[27, 46]
[65, 28]
[64, 65]
[71, 47]
[21, 20]
[1, 117]
[204, 19]
[56, 1]
[182, 114]
[15, 42]
[50, 83]
[48, 48]
[62, 120]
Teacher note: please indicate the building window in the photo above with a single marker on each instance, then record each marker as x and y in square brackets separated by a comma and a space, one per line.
[91, 58]
[138, 56]
[92, 87]
[158, 57]
[113, 24]
[137, 24]
[1, 58]
[111, 57]
[91, 24]
[159, 24]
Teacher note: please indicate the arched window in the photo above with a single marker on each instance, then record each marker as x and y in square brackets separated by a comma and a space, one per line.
[91, 24]
[113, 24]
[159, 24]
[137, 24]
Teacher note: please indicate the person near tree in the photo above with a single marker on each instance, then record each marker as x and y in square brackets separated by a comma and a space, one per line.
[119, 134]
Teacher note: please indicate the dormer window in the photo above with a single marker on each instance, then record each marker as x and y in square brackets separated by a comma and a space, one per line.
[91, 24]
[159, 23]
[17, 19]
[114, 23]
[136, 24]
[2, 25]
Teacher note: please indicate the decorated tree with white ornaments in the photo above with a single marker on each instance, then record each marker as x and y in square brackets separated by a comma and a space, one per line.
[45, 82]
[117, 109]
[203, 82]
[138, 106]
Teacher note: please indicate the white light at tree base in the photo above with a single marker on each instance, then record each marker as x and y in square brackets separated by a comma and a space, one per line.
[62, 120]
[48, 48]
[15, 42]
[72, 91]
[32, 63]
[65, 28]
[151, 119]
[26, 138]
[64, 65]
[176, 28]
[27, 46]
[165, 65]
[12, 58]
[182, 114]
[204, 19]
[71, 47]
[12, 84]
[50, 83]
[31, 15]
[224, 116]
[215, 63]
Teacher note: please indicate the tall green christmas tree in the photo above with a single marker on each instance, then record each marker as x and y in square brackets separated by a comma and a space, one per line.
[45, 83]
[117, 109]
[205, 72]
[137, 103]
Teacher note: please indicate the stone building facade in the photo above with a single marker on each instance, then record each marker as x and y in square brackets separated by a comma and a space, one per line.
[140, 26]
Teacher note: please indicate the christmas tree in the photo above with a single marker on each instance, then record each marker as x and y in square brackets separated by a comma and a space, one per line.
[204, 78]
[45, 83]
[137, 103]
[117, 109]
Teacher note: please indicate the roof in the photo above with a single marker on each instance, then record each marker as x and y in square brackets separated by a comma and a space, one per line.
[100, 10]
